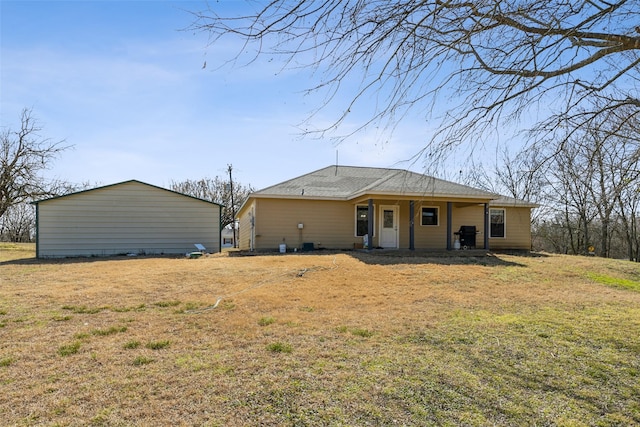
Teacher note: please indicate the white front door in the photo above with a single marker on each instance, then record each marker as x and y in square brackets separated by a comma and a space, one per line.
[388, 226]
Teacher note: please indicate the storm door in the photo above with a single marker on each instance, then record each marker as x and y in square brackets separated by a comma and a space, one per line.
[388, 226]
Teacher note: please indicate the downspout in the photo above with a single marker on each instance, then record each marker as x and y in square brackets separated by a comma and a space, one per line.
[449, 225]
[370, 214]
[486, 226]
[253, 229]
[411, 225]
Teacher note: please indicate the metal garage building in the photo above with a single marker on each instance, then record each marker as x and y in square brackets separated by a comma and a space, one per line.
[130, 217]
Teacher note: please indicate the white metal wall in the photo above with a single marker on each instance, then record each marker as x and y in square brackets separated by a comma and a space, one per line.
[130, 217]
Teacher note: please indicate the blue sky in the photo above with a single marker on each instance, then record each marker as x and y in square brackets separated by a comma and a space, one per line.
[125, 86]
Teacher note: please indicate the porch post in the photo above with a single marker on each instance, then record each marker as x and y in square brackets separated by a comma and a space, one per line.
[449, 216]
[486, 226]
[411, 225]
[370, 215]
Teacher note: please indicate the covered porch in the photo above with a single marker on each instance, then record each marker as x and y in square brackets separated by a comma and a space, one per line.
[422, 223]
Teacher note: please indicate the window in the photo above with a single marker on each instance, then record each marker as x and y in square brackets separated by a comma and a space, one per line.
[497, 222]
[362, 220]
[429, 216]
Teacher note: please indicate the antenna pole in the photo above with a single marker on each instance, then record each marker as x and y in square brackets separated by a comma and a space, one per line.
[233, 206]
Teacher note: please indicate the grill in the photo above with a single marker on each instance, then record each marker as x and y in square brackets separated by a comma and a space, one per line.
[467, 234]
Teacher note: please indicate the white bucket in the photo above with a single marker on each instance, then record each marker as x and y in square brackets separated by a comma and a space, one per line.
[283, 248]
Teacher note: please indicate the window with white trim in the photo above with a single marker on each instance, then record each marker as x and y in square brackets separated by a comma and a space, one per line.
[429, 216]
[497, 221]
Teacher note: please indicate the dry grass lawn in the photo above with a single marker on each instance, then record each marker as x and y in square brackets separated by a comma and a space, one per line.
[319, 339]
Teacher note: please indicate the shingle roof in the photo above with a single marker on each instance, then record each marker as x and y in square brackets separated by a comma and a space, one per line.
[348, 182]
[505, 201]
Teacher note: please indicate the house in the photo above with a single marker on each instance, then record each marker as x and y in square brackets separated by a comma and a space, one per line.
[345, 207]
[130, 217]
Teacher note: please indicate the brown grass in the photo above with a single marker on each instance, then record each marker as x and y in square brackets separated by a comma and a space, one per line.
[318, 339]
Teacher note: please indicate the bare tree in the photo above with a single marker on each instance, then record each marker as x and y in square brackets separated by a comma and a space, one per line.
[24, 154]
[593, 178]
[521, 176]
[491, 61]
[18, 223]
[629, 214]
[216, 190]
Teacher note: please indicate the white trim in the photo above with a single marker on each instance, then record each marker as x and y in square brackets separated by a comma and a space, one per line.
[437, 214]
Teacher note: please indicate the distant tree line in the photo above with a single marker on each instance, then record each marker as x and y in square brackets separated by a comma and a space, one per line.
[218, 190]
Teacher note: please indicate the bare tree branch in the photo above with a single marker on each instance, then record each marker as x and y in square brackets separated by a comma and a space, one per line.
[493, 60]
[24, 154]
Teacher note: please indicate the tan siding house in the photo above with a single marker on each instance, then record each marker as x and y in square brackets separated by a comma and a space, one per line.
[126, 218]
[331, 208]
[517, 224]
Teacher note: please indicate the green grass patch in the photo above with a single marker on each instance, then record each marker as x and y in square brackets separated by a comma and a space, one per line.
[614, 281]
[82, 309]
[158, 345]
[266, 321]
[279, 347]
[364, 333]
[140, 307]
[61, 318]
[228, 305]
[165, 304]
[142, 360]
[195, 363]
[6, 361]
[69, 349]
[189, 306]
[129, 345]
[109, 331]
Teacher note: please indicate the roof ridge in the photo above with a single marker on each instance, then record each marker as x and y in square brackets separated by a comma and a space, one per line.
[129, 181]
